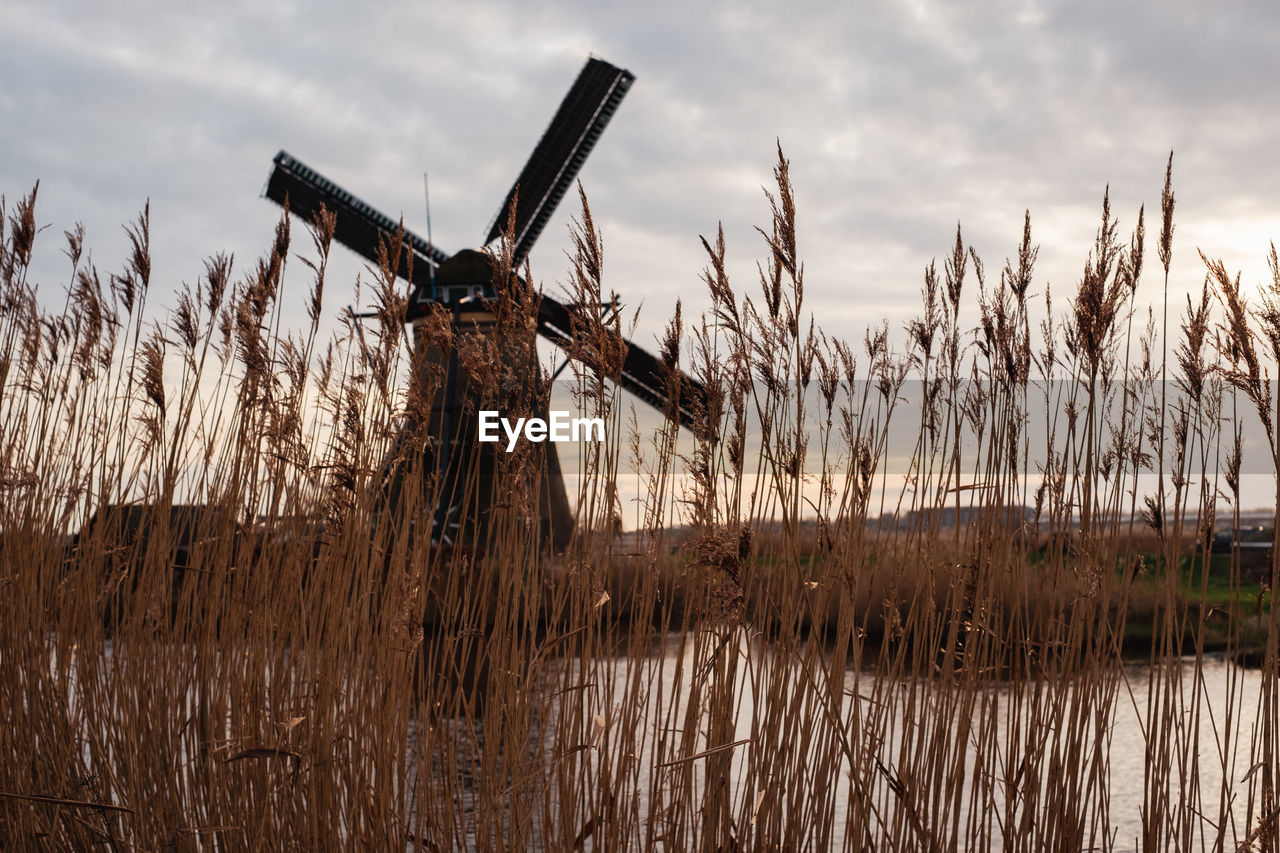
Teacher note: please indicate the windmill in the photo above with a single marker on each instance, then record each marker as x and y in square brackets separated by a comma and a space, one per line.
[463, 284]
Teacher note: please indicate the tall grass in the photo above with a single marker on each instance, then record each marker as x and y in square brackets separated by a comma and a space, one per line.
[795, 649]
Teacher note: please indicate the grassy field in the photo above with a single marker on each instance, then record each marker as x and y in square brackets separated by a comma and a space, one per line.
[789, 652]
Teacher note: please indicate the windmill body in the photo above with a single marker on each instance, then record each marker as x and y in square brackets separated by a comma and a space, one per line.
[463, 285]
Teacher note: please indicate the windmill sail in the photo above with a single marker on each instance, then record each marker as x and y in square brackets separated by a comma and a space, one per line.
[551, 170]
[642, 374]
[359, 226]
[559, 155]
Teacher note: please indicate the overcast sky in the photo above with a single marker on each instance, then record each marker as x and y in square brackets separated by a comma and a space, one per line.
[900, 119]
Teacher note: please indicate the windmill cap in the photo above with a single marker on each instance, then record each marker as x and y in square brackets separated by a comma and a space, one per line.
[468, 267]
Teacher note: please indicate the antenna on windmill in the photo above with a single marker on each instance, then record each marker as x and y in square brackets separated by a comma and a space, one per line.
[431, 268]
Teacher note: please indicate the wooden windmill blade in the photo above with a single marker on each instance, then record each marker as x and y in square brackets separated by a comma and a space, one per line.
[642, 373]
[359, 226]
[558, 157]
[550, 171]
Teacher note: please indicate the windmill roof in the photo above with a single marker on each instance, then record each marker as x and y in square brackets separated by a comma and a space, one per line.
[466, 267]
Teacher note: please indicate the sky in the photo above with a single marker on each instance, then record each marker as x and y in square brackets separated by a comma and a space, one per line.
[900, 119]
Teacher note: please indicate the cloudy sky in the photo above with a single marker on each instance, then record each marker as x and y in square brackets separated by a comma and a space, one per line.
[900, 119]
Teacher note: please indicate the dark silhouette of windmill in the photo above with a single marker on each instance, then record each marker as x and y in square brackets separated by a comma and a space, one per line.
[463, 283]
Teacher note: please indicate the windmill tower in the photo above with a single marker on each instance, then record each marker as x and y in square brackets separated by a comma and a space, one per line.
[463, 284]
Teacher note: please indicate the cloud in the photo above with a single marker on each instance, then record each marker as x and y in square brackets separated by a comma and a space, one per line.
[900, 119]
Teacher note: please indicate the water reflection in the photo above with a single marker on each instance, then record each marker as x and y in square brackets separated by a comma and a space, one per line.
[972, 764]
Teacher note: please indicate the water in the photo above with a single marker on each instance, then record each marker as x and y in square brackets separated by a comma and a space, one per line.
[1082, 746]
[638, 726]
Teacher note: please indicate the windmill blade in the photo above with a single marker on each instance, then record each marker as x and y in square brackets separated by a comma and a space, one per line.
[359, 226]
[560, 153]
[642, 374]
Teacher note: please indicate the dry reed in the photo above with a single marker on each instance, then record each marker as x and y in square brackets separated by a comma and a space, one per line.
[788, 652]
